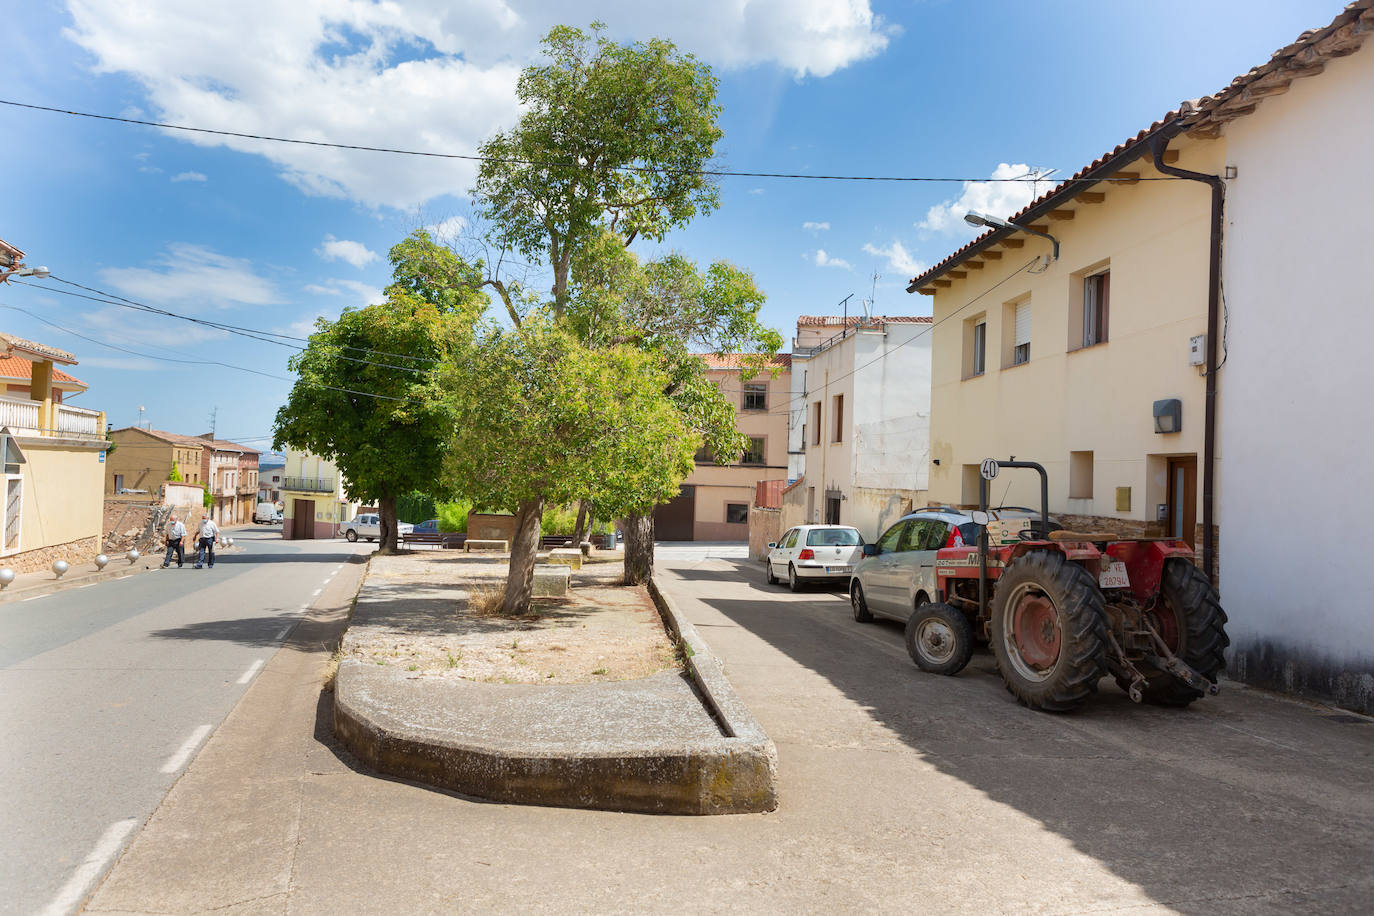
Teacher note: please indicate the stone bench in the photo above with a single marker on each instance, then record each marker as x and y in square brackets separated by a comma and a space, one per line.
[472, 544]
[551, 580]
[567, 556]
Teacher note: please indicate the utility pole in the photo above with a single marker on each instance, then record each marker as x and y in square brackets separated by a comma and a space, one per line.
[214, 412]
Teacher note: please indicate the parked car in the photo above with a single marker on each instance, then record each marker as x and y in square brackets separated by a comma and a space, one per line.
[279, 518]
[813, 552]
[369, 527]
[427, 527]
[264, 514]
[897, 572]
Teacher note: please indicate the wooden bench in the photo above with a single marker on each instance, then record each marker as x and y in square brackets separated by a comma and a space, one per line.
[449, 540]
[472, 544]
[547, 541]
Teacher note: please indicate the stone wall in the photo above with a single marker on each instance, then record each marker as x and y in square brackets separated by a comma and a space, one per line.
[485, 527]
[74, 552]
[764, 526]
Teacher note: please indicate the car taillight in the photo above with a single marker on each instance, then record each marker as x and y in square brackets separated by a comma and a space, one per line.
[956, 538]
[807, 554]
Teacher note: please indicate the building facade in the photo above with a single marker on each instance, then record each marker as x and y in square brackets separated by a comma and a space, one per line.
[143, 459]
[713, 504]
[861, 413]
[271, 471]
[314, 504]
[230, 472]
[53, 457]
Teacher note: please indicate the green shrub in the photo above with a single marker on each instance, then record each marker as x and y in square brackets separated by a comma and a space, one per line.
[453, 516]
[175, 476]
[558, 520]
[415, 507]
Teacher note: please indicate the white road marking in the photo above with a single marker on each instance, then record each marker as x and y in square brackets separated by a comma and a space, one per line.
[178, 760]
[252, 670]
[36, 597]
[74, 891]
[284, 631]
[88, 585]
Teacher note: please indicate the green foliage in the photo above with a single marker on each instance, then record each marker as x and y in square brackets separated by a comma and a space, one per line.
[415, 507]
[594, 110]
[454, 516]
[544, 417]
[206, 499]
[558, 521]
[175, 476]
[367, 396]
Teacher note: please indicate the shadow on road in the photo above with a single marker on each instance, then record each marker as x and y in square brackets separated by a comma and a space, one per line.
[257, 559]
[1200, 807]
[247, 631]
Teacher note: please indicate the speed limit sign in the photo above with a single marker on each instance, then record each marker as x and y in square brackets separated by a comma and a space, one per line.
[989, 468]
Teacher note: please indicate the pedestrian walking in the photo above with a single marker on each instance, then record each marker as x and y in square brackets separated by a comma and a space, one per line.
[205, 543]
[176, 533]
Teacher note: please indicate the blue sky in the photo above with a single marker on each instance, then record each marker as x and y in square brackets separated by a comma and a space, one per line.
[270, 237]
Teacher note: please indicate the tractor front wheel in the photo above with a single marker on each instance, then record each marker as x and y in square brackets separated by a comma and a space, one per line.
[939, 638]
[1049, 631]
[1191, 622]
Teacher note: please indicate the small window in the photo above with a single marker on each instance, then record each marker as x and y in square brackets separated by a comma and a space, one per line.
[755, 396]
[754, 453]
[737, 513]
[915, 533]
[1096, 308]
[816, 423]
[792, 538]
[833, 537]
[838, 411]
[704, 456]
[975, 346]
[1021, 340]
[1080, 475]
[892, 537]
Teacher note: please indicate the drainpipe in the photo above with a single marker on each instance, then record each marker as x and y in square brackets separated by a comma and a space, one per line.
[1157, 147]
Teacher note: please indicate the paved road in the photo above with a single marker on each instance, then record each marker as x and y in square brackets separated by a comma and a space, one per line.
[899, 792]
[108, 691]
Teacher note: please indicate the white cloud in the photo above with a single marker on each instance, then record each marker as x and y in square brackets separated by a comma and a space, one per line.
[815, 227]
[822, 259]
[996, 198]
[189, 176]
[355, 253]
[388, 74]
[899, 260]
[358, 295]
[125, 363]
[123, 326]
[191, 277]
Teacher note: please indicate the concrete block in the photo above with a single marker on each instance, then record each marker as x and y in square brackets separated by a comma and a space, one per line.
[569, 556]
[551, 581]
[481, 544]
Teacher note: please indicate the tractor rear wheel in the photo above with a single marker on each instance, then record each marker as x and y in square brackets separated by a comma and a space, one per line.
[1049, 631]
[939, 638]
[1189, 618]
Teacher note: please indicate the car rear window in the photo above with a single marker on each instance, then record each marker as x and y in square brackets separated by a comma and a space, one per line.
[833, 537]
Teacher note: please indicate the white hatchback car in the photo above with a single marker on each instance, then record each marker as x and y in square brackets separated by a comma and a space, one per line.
[813, 552]
[370, 527]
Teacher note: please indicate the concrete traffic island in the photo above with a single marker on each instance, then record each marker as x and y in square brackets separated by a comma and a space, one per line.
[675, 741]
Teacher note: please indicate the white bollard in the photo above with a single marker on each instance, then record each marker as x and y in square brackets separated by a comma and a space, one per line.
[60, 567]
[6, 577]
[132, 556]
[101, 561]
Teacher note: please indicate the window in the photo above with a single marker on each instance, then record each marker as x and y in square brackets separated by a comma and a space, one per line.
[816, 423]
[754, 453]
[791, 538]
[915, 533]
[838, 411]
[704, 456]
[119, 483]
[1096, 301]
[1021, 323]
[737, 513]
[892, 537]
[975, 345]
[833, 537]
[755, 396]
[1080, 475]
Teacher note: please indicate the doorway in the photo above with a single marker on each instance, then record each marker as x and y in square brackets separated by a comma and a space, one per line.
[1182, 500]
[675, 519]
[832, 508]
[302, 519]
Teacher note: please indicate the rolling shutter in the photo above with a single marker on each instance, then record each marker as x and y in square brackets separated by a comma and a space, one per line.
[1023, 323]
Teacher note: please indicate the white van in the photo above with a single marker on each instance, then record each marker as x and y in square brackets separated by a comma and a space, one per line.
[265, 514]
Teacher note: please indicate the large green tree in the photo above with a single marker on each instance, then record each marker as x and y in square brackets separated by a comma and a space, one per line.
[544, 420]
[367, 394]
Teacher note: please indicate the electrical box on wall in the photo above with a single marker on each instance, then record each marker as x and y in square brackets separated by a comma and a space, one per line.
[1197, 350]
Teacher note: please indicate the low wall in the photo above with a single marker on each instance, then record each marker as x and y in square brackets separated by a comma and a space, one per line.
[764, 527]
[489, 527]
[74, 552]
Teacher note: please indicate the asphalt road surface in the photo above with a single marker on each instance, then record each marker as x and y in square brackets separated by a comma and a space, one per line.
[108, 691]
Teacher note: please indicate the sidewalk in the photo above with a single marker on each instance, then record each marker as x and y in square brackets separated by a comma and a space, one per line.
[899, 792]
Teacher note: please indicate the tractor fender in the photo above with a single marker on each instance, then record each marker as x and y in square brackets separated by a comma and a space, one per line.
[1145, 562]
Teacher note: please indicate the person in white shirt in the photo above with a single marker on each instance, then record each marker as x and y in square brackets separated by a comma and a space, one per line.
[205, 543]
[176, 533]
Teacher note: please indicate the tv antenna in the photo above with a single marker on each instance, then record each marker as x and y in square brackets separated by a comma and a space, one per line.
[214, 412]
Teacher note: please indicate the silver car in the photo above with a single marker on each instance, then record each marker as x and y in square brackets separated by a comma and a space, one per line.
[809, 553]
[897, 573]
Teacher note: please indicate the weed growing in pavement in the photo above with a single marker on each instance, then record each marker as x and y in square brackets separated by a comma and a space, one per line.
[412, 667]
[599, 671]
[331, 666]
[452, 660]
[487, 600]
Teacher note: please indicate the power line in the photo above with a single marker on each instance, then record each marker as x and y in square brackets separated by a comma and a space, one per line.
[711, 173]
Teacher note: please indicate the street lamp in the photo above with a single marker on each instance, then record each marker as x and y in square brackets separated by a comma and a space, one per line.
[974, 218]
[39, 273]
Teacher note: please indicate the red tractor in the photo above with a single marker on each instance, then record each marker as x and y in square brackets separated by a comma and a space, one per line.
[1063, 609]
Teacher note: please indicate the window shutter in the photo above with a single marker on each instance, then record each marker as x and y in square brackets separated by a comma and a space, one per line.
[1023, 323]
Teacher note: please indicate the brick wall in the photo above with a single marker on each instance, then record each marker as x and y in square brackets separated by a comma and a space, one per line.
[764, 526]
[74, 552]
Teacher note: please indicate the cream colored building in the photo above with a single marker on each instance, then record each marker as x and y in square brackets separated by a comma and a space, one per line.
[143, 460]
[714, 502]
[53, 455]
[1098, 364]
[314, 504]
[860, 420]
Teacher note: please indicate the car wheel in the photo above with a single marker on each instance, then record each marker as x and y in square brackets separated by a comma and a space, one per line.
[792, 581]
[856, 600]
[768, 572]
[939, 639]
[352, 535]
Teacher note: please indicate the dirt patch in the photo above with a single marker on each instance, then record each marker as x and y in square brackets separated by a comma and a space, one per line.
[600, 632]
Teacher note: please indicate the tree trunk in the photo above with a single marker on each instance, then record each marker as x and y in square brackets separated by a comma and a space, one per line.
[524, 546]
[386, 538]
[580, 529]
[639, 548]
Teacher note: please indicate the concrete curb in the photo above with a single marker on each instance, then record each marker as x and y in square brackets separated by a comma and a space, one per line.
[392, 723]
[90, 578]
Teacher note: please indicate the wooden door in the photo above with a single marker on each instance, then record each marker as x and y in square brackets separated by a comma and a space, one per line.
[675, 519]
[1182, 521]
[302, 518]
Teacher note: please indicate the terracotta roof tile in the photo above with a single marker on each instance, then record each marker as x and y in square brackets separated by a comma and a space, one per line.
[14, 368]
[736, 360]
[835, 321]
[9, 342]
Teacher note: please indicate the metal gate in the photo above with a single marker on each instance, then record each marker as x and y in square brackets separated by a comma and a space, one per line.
[673, 521]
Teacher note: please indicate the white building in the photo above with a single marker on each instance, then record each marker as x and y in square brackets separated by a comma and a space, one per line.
[860, 419]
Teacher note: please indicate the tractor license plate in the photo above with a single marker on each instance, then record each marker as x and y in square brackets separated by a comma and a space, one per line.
[1114, 576]
[838, 569]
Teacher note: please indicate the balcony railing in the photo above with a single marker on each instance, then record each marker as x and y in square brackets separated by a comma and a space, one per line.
[309, 484]
[77, 421]
[25, 417]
